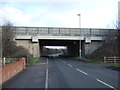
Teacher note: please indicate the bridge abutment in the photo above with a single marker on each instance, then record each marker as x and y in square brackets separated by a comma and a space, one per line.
[91, 47]
[32, 47]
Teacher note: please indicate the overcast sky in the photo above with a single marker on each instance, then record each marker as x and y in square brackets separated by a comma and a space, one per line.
[60, 13]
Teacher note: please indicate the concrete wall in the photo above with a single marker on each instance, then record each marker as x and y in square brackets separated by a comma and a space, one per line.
[33, 48]
[91, 47]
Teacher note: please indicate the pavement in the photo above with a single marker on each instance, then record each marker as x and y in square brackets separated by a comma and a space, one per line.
[32, 77]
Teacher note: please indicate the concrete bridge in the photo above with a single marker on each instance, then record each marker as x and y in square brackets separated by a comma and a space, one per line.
[79, 41]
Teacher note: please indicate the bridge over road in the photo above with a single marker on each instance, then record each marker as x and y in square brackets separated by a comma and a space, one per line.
[77, 40]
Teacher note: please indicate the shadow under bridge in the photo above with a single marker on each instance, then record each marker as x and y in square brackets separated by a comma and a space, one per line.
[73, 46]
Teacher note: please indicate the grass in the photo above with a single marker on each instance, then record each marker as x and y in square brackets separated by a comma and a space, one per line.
[117, 65]
[98, 62]
[33, 60]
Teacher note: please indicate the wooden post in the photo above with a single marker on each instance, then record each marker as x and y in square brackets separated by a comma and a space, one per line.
[104, 59]
[114, 60]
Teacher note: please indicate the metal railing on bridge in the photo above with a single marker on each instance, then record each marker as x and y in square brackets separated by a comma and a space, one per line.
[64, 31]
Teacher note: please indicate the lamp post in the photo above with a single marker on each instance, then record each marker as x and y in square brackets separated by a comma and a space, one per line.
[80, 51]
[79, 20]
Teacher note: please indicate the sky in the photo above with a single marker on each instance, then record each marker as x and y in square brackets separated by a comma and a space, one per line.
[56, 47]
[60, 13]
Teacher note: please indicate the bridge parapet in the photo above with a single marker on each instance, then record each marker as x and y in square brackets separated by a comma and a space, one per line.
[55, 31]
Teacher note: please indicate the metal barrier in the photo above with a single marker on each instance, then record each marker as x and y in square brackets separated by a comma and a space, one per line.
[64, 31]
[111, 59]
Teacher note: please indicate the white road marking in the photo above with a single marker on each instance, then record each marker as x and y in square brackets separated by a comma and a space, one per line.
[82, 71]
[106, 84]
[69, 65]
[46, 81]
[64, 62]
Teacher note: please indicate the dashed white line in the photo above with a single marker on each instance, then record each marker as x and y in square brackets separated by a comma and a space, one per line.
[63, 61]
[82, 71]
[106, 84]
[60, 60]
[69, 65]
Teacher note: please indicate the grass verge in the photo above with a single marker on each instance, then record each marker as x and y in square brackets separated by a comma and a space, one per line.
[33, 60]
[98, 62]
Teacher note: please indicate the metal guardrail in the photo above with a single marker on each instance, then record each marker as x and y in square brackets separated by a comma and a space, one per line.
[64, 31]
[111, 59]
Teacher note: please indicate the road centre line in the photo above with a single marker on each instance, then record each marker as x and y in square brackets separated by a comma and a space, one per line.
[63, 61]
[106, 84]
[82, 71]
[87, 74]
[69, 65]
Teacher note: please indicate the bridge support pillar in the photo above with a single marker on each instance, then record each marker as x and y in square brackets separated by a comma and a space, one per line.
[36, 50]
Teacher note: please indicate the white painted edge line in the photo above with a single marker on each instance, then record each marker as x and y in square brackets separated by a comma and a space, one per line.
[46, 79]
[82, 71]
[106, 84]
[69, 65]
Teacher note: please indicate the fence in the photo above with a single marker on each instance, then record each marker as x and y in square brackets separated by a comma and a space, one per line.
[11, 69]
[112, 60]
[63, 31]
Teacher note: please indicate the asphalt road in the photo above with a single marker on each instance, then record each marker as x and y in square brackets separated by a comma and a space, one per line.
[64, 73]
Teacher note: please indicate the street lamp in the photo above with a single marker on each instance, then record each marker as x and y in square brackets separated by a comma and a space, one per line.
[79, 20]
[80, 51]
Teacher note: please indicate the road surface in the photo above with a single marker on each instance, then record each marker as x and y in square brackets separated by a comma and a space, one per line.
[64, 73]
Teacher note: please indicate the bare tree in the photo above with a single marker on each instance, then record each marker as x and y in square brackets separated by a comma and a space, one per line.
[7, 38]
[111, 45]
[9, 46]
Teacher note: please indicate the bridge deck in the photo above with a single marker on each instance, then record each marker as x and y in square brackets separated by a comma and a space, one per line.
[64, 31]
